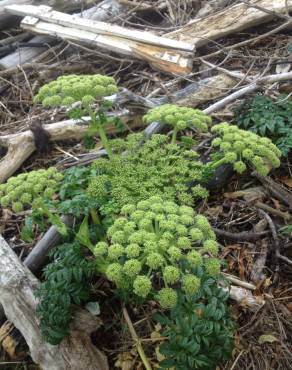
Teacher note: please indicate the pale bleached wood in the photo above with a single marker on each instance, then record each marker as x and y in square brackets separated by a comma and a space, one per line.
[228, 21]
[245, 298]
[104, 11]
[168, 60]
[47, 14]
[8, 20]
[17, 286]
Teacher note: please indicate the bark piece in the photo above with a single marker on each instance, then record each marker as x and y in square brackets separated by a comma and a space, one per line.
[17, 285]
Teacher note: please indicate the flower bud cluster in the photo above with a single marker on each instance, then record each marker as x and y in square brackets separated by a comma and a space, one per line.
[240, 147]
[152, 241]
[20, 192]
[66, 90]
[155, 168]
[178, 117]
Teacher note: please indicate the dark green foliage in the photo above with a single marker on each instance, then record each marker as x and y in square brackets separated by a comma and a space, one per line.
[74, 199]
[66, 283]
[199, 329]
[269, 118]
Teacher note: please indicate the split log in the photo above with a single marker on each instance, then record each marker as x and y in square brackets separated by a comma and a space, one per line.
[17, 285]
[21, 146]
[104, 11]
[7, 20]
[229, 21]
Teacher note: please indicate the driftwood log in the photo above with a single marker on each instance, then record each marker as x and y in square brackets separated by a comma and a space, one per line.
[17, 285]
[7, 20]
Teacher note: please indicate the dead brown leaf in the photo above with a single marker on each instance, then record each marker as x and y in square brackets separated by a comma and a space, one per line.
[125, 361]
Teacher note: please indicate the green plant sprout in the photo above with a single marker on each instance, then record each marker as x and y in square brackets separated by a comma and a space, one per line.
[179, 118]
[239, 147]
[158, 240]
[20, 192]
[86, 90]
[155, 168]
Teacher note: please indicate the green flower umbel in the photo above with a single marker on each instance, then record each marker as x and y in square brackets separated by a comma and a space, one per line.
[83, 91]
[153, 247]
[179, 118]
[240, 147]
[20, 192]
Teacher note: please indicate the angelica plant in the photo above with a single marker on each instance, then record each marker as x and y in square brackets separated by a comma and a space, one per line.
[179, 118]
[22, 191]
[155, 168]
[158, 240]
[85, 90]
[240, 147]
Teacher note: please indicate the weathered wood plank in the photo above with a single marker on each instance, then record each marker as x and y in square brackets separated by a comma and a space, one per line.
[47, 14]
[230, 20]
[168, 60]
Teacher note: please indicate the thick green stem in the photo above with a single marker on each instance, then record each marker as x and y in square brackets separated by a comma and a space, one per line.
[214, 165]
[174, 134]
[104, 141]
[101, 132]
[94, 217]
[137, 340]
